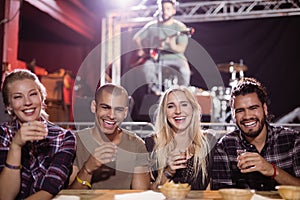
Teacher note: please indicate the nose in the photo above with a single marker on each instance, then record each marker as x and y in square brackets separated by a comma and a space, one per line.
[27, 100]
[111, 114]
[247, 113]
[178, 109]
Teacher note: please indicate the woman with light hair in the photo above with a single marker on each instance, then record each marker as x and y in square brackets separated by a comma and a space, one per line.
[180, 150]
[36, 155]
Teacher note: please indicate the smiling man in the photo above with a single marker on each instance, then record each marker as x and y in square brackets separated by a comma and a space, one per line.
[109, 157]
[272, 154]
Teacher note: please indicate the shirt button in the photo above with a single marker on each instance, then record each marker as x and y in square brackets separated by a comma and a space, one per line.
[261, 185]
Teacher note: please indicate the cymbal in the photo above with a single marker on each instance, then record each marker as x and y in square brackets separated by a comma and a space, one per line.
[229, 67]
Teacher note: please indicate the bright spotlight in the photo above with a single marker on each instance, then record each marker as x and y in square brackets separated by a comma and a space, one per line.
[123, 3]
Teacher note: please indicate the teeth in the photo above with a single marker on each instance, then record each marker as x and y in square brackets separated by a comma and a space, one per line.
[250, 124]
[29, 110]
[109, 122]
[179, 118]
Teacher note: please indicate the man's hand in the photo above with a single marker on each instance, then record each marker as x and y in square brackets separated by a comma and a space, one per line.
[250, 162]
[140, 53]
[106, 153]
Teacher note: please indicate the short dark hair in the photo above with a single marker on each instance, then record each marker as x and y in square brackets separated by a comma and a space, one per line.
[111, 88]
[160, 2]
[170, 1]
[249, 85]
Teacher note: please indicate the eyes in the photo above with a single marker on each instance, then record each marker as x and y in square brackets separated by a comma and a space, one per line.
[20, 96]
[252, 108]
[105, 107]
[182, 104]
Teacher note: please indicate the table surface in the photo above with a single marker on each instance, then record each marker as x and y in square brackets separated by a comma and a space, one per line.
[193, 195]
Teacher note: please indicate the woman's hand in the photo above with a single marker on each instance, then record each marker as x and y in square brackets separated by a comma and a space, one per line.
[30, 131]
[176, 160]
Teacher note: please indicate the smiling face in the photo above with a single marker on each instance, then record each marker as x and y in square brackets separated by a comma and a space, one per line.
[25, 100]
[110, 111]
[250, 114]
[179, 111]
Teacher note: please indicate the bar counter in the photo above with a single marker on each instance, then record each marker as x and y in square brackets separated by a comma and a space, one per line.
[193, 195]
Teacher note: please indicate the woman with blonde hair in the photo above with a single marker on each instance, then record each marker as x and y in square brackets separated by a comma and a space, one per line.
[36, 155]
[180, 150]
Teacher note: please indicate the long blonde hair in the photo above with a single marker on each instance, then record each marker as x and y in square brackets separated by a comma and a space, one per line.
[165, 142]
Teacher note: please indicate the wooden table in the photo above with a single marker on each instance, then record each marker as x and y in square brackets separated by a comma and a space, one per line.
[193, 195]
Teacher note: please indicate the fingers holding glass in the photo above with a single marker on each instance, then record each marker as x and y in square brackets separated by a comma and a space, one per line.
[31, 131]
[106, 153]
[177, 160]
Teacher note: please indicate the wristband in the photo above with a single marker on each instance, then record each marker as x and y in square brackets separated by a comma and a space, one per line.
[12, 166]
[274, 168]
[85, 183]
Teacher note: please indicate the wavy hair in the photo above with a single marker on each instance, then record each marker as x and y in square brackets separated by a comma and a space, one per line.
[165, 142]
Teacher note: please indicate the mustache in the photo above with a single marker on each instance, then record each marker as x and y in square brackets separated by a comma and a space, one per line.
[250, 119]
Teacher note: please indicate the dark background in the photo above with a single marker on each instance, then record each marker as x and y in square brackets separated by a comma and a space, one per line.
[268, 46]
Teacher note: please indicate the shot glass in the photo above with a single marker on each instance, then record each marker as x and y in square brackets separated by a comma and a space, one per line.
[240, 151]
[184, 153]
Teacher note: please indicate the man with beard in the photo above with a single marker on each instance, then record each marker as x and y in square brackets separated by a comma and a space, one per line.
[165, 39]
[270, 155]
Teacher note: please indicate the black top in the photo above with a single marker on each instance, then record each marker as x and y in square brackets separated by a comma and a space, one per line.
[183, 175]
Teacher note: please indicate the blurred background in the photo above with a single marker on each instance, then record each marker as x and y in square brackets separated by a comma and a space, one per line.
[54, 37]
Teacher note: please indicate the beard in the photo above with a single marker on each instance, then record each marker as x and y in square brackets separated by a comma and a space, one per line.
[253, 133]
[166, 18]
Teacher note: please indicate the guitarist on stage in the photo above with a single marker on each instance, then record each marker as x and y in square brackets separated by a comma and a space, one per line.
[162, 43]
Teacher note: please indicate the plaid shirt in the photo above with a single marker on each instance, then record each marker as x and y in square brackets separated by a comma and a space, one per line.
[282, 148]
[46, 163]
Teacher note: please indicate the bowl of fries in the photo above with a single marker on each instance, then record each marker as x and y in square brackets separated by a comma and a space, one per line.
[289, 192]
[175, 191]
[236, 194]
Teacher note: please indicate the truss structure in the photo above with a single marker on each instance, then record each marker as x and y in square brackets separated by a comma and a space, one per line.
[203, 11]
[187, 12]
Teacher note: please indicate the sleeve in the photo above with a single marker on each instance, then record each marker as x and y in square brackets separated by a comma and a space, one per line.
[57, 175]
[142, 33]
[142, 155]
[221, 176]
[182, 38]
[4, 147]
[296, 156]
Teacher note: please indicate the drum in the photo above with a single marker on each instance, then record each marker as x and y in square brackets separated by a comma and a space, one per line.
[221, 98]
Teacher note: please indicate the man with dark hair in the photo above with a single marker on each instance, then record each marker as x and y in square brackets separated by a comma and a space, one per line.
[166, 44]
[256, 155]
[107, 156]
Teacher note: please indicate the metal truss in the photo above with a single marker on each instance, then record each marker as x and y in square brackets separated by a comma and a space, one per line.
[203, 11]
[187, 12]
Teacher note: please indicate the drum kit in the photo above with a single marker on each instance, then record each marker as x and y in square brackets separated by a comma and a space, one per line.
[221, 95]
